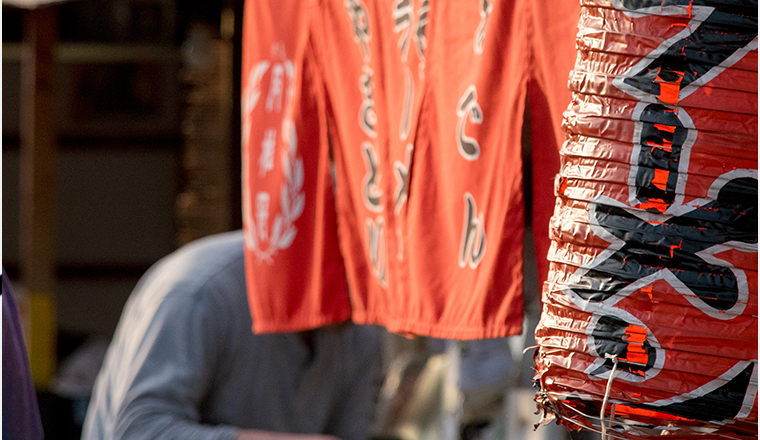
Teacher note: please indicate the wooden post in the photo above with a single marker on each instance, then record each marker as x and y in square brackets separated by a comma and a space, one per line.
[38, 187]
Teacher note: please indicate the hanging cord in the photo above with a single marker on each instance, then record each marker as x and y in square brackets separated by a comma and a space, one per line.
[607, 394]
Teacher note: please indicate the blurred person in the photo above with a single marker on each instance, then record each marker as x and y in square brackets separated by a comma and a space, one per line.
[21, 415]
[184, 363]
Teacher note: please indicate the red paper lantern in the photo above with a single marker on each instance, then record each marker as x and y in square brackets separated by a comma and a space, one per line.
[649, 323]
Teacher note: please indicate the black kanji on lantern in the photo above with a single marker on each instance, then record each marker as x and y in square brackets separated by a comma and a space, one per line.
[674, 245]
[716, 32]
[729, 25]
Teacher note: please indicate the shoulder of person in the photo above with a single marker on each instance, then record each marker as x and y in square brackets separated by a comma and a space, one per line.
[200, 265]
[209, 272]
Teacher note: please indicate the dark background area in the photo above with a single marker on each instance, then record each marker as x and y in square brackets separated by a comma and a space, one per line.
[145, 121]
[121, 100]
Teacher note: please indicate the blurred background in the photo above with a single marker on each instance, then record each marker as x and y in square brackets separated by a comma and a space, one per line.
[136, 154]
[120, 130]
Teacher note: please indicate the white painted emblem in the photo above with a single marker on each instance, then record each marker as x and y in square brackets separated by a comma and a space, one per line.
[265, 241]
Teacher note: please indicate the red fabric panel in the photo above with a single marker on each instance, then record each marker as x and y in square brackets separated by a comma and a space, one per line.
[423, 104]
[294, 266]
